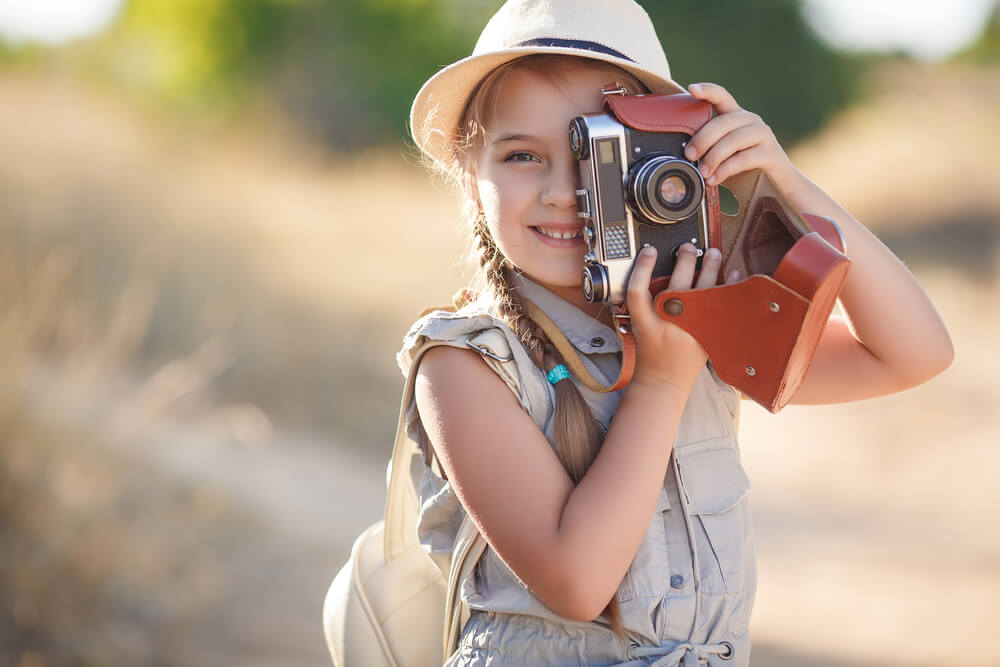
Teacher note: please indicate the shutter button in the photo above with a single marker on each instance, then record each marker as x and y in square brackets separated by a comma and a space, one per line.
[676, 581]
[597, 341]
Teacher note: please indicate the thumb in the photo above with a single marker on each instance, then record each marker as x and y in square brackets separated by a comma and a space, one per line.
[640, 303]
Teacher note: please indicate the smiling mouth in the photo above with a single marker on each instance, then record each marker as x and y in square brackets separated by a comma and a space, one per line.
[560, 234]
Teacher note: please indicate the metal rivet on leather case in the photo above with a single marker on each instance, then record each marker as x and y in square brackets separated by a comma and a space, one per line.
[751, 371]
[774, 307]
[674, 307]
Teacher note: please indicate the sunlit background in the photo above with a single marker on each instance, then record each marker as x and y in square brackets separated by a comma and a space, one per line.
[213, 236]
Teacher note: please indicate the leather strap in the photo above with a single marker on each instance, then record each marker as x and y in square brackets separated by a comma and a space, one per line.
[623, 327]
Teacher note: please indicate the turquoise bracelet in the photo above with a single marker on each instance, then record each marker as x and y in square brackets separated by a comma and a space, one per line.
[557, 373]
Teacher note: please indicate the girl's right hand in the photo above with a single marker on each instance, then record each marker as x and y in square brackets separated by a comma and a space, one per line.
[665, 353]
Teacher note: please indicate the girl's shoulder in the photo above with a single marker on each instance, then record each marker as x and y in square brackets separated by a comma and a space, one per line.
[474, 327]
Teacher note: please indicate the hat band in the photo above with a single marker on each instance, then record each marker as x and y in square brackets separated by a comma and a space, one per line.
[573, 44]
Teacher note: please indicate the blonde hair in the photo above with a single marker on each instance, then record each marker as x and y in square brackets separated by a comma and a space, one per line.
[578, 435]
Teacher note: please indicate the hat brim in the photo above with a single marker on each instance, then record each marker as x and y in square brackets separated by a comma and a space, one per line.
[441, 101]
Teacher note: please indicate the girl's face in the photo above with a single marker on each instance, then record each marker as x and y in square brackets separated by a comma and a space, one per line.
[527, 177]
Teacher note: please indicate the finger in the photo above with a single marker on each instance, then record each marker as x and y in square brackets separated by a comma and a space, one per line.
[720, 98]
[727, 147]
[736, 164]
[640, 304]
[715, 129]
[684, 267]
[734, 276]
[710, 265]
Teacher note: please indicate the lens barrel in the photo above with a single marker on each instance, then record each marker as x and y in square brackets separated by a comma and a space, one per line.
[665, 189]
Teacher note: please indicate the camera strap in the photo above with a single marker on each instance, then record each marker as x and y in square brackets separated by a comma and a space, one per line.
[623, 327]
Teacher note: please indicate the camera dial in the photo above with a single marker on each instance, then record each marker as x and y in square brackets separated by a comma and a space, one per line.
[595, 283]
[665, 189]
[578, 139]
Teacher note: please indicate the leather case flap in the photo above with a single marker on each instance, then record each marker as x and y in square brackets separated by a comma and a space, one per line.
[761, 333]
[660, 113]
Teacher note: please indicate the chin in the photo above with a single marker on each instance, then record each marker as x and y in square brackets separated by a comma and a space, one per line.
[559, 277]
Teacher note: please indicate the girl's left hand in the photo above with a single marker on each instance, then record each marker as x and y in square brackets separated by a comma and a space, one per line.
[734, 141]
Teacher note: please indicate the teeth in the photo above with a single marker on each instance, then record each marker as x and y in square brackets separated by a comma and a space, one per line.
[553, 234]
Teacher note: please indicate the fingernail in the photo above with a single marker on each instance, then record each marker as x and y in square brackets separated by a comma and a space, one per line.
[694, 86]
[711, 180]
[688, 248]
[703, 168]
[713, 254]
[648, 250]
[735, 275]
[690, 153]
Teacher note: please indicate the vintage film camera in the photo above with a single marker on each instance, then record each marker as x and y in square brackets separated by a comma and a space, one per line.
[638, 188]
[761, 331]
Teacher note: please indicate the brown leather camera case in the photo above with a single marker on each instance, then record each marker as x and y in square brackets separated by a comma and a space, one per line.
[762, 331]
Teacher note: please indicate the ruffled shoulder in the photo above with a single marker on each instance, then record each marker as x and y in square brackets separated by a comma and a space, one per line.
[474, 327]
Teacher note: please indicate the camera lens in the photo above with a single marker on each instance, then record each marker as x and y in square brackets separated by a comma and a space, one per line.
[665, 189]
[673, 190]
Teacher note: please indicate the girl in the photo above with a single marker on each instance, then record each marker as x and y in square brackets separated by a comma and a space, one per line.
[624, 540]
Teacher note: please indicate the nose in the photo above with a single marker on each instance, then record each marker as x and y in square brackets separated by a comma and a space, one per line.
[560, 186]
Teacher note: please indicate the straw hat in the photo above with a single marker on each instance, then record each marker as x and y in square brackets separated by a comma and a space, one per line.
[614, 31]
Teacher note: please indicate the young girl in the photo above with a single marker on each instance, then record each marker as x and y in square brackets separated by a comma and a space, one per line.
[618, 523]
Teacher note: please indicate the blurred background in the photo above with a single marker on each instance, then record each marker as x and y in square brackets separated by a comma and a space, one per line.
[214, 234]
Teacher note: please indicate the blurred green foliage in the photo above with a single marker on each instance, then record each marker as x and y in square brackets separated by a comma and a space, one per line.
[347, 70]
[183, 49]
[986, 49]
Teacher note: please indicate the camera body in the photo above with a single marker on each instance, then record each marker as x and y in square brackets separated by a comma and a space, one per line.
[638, 189]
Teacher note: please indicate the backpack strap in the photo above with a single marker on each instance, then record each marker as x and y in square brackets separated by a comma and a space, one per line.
[401, 511]
[469, 547]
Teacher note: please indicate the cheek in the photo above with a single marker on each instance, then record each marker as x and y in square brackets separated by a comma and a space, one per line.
[498, 218]
[489, 198]
[493, 209]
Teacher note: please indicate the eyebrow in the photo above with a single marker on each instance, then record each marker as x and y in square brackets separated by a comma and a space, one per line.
[514, 137]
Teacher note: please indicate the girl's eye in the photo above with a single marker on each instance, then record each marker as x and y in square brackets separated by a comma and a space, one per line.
[520, 156]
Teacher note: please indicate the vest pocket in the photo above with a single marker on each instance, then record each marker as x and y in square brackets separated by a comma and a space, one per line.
[715, 489]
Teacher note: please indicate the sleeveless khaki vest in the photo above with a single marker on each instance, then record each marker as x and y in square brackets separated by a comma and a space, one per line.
[687, 596]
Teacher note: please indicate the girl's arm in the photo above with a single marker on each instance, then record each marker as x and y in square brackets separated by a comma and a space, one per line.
[891, 337]
[570, 545]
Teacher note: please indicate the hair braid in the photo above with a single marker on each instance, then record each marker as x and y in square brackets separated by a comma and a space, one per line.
[496, 273]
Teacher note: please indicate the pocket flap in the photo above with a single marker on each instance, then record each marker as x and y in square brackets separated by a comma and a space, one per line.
[713, 477]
